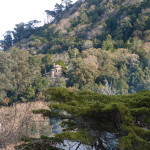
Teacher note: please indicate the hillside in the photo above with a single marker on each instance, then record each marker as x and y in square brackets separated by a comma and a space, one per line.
[104, 44]
[88, 24]
[102, 50]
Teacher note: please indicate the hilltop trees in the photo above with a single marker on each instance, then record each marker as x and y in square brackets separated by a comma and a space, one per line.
[21, 31]
[8, 40]
[56, 13]
[67, 3]
[24, 30]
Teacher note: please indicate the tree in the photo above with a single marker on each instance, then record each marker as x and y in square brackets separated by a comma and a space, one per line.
[108, 44]
[73, 53]
[29, 93]
[46, 63]
[55, 14]
[58, 9]
[16, 73]
[67, 3]
[83, 72]
[89, 118]
[87, 44]
[61, 82]
[8, 41]
[18, 32]
[24, 30]
[51, 14]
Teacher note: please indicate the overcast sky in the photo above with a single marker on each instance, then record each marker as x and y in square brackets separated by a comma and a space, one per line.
[15, 11]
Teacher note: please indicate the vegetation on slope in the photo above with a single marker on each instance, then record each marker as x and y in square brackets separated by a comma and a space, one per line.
[105, 45]
[20, 76]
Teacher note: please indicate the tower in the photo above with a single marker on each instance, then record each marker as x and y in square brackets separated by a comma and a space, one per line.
[58, 71]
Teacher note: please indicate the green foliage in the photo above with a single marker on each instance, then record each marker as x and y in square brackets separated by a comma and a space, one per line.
[74, 22]
[73, 52]
[120, 19]
[40, 83]
[29, 93]
[7, 42]
[59, 83]
[83, 72]
[47, 59]
[64, 96]
[108, 44]
[117, 115]
[34, 60]
[81, 136]
[119, 24]
[109, 72]
[21, 31]
[46, 63]
[119, 64]
[89, 115]
[18, 72]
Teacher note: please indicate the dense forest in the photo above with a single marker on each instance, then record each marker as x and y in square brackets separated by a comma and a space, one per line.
[103, 47]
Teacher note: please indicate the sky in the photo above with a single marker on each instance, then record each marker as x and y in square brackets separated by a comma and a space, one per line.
[13, 12]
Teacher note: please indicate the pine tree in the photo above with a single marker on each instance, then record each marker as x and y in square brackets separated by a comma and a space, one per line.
[88, 117]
